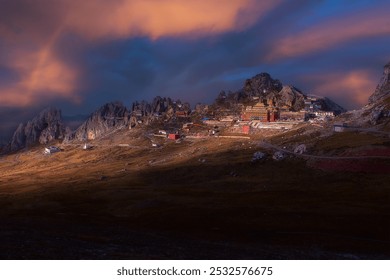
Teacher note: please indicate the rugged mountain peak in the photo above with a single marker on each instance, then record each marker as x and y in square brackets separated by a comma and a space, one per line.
[43, 128]
[159, 106]
[261, 84]
[289, 96]
[264, 88]
[110, 116]
[383, 88]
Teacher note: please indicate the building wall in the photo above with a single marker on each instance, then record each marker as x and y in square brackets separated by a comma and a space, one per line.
[173, 136]
[246, 129]
[286, 115]
[260, 112]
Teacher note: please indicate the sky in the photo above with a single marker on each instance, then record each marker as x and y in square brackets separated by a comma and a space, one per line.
[78, 55]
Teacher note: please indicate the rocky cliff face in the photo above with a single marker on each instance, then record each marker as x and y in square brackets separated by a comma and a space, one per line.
[43, 128]
[330, 106]
[109, 117]
[288, 96]
[379, 102]
[261, 85]
[383, 89]
[377, 111]
[160, 106]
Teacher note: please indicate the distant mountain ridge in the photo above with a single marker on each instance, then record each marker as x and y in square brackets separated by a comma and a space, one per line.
[49, 124]
[264, 88]
[43, 128]
[109, 116]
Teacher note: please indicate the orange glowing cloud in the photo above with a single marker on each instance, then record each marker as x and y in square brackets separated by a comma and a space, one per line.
[158, 18]
[41, 75]
[332, 33]
[356, 85]
[30, 35]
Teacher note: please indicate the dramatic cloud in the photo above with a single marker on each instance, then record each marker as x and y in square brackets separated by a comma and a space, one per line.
[332, 33]
[40, 74]
[351, 88]
[30, 32]
[77, 55]
[163, 18]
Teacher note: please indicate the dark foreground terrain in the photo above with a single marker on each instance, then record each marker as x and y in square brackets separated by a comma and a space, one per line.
[192, 200]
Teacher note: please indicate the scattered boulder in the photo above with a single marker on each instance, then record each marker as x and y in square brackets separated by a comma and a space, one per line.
[300, 149]
[278, 156]
[51, 150]
[87, 146]
[259, 156]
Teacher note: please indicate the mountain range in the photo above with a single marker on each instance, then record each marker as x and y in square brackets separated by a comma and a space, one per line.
[49, 124]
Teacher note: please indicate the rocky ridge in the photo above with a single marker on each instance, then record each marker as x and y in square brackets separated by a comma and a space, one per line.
[383, 89]
[43, 128]
[159, 105]
[107, 118]
[379, 102]
[48, 125]
[264, 88]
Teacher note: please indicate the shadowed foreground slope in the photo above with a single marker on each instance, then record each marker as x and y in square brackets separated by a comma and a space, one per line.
[193, 200]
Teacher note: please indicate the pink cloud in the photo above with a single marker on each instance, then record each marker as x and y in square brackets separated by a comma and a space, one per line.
[30, 35]
[332, 33]
[41, 75]
[355, 85]
[155, 19]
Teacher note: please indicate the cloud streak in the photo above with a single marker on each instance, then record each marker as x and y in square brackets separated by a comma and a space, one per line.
[155, 19]
[332, 33]
[40, 75]
[353, 87]
[32, 34]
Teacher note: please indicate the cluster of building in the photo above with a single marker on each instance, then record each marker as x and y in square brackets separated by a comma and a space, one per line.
[269, 113]
[260, 112]
[246, 119]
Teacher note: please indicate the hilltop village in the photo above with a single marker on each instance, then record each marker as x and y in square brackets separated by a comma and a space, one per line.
[207, 120]
[262, 103]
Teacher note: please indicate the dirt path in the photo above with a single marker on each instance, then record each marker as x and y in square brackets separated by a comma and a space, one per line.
[267, 145]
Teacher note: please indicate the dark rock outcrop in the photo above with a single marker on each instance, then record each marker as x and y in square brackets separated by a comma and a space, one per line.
[109, 117]
[288, 96]
[383, 89]
[141, 109]
[44, 128]
[379, 113]
[261, 85]
[18, 140]
[330, 106]
[159, 107]
[378, 107]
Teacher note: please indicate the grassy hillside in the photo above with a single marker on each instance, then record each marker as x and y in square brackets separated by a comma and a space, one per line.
[194, 199]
